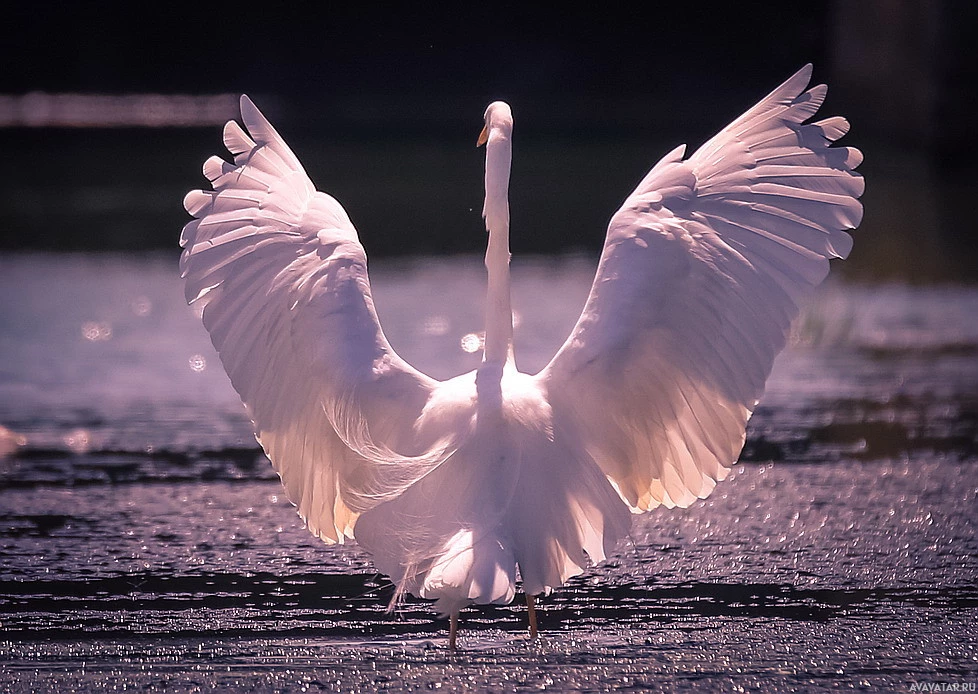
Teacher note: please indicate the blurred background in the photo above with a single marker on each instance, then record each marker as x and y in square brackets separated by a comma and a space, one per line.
[107, 112]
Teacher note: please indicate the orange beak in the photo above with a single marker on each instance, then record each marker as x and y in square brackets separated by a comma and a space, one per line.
[483, 137]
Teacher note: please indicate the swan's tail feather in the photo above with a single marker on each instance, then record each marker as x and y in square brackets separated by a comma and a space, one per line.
[471, 568]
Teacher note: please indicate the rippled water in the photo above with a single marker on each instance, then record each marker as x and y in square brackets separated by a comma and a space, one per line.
[146, 543]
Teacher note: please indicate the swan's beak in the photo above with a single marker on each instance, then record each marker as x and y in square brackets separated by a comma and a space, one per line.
[483, 137]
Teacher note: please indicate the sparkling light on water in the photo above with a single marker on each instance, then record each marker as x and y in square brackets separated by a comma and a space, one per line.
[436, 326]
[10, 441]
[78, 440]
[472, 342]
[854, 552]
[96, 332]
[141, 306]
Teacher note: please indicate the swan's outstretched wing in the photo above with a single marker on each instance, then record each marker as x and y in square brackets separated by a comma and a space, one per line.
[283, 279]
[702, 272]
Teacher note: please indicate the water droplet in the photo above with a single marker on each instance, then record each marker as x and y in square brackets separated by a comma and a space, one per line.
[197, 363]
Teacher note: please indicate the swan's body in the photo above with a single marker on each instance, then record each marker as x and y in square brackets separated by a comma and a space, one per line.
[452, 486]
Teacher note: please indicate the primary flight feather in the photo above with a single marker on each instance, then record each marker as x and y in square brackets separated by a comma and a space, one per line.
[458, 488]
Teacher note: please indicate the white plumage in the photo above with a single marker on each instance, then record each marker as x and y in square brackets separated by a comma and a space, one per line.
[457, 488]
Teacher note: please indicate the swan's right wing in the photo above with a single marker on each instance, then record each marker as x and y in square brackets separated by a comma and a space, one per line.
[283, 281]
[704, 268]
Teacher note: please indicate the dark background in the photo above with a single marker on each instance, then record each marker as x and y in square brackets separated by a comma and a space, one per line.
[383, 107]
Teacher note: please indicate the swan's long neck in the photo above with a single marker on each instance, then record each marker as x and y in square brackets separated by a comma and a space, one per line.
[499, 313]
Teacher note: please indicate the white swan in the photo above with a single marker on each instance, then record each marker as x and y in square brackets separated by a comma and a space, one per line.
[457, 488]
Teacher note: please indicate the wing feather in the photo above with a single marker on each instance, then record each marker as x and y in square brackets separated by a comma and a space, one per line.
[704, 267]
[283, 279]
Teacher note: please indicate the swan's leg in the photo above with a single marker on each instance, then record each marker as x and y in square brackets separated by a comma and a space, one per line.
[532, 614]
[452, 631]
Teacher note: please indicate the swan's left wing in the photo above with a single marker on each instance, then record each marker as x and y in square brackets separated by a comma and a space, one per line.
[283, 281]
[703, 270]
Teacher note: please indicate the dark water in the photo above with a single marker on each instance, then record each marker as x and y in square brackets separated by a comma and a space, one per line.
[147, 545]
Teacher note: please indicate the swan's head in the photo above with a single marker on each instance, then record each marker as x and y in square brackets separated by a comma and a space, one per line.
[499, 120]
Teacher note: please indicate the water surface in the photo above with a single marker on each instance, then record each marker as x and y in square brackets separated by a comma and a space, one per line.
[146, 542]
